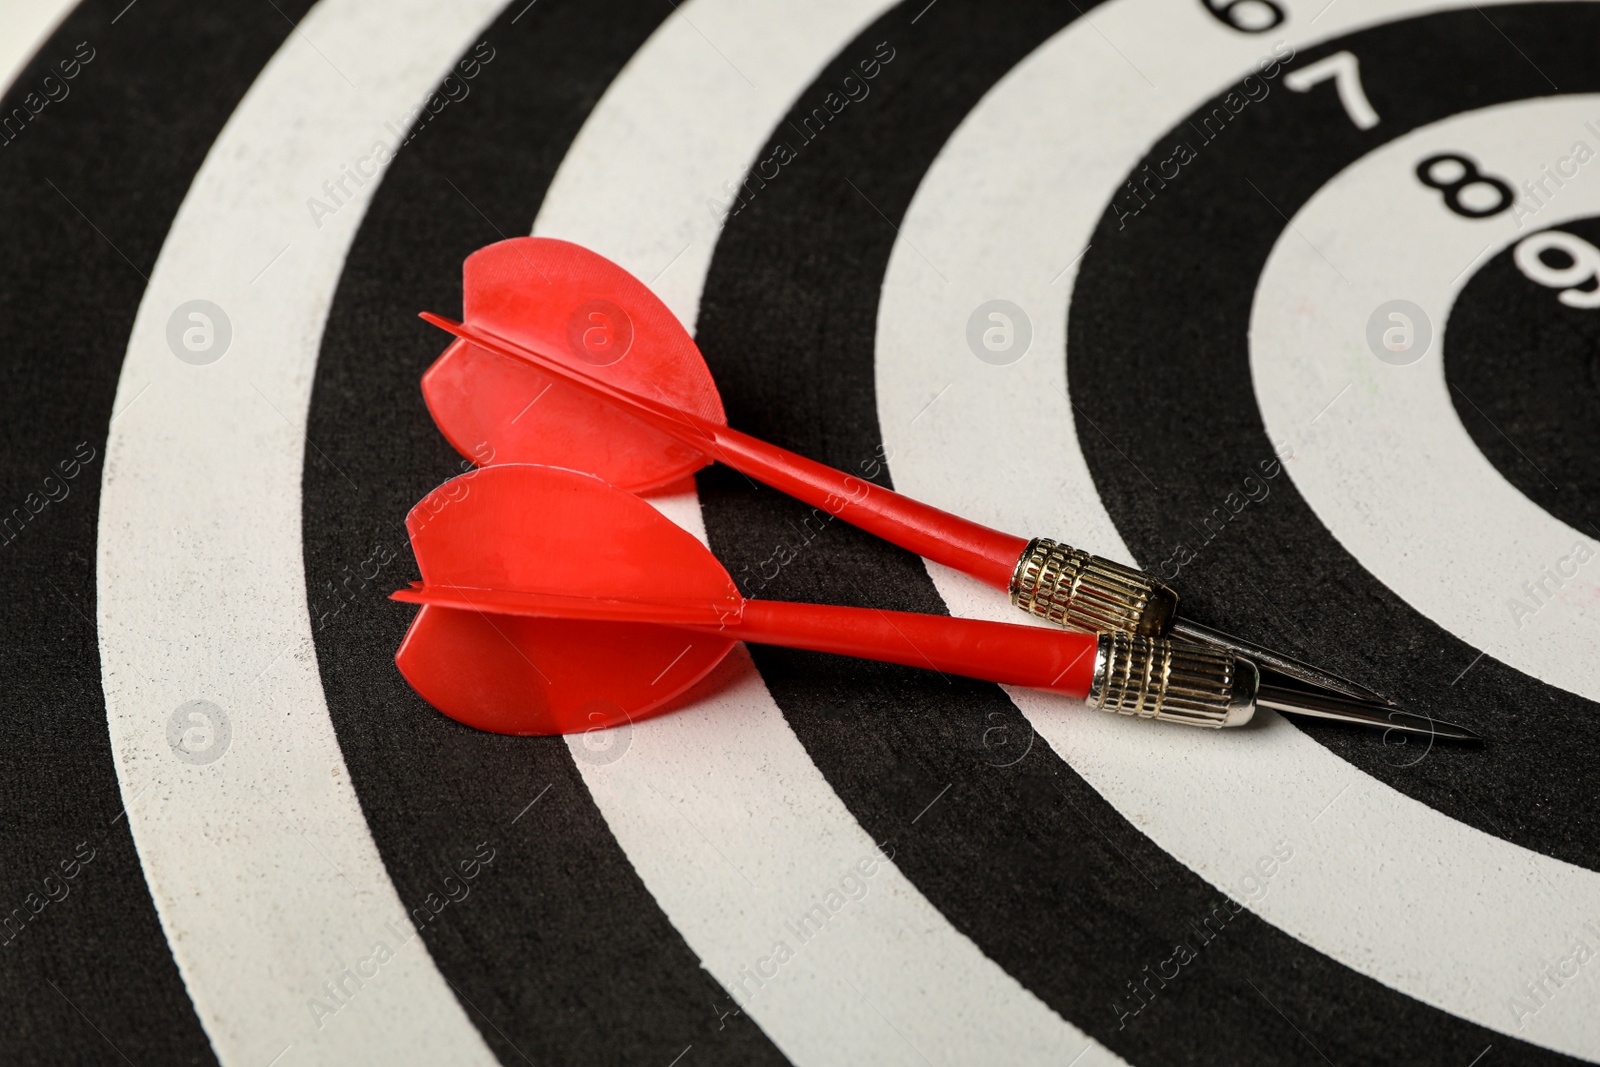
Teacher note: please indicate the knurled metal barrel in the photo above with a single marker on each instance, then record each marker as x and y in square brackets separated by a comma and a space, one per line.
[1072, 588]
[1172, 681]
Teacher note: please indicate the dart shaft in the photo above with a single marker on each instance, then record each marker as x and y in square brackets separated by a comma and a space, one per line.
[1138, 676]
[969, 547]
[1054, 660]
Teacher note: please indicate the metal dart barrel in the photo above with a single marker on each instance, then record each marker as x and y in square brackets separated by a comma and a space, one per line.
[1081, 591]
[1150, 678]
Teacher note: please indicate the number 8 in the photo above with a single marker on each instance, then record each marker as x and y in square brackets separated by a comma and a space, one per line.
[1585, 266]
[1470, 176]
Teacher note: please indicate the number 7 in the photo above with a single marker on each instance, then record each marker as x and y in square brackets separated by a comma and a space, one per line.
[1345, 71]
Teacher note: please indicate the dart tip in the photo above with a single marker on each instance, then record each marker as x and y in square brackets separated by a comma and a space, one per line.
[1384, 716]
[1426, 726]
[1450, 731]
[1277, 663]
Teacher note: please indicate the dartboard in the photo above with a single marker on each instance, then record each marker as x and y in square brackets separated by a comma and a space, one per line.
[1295, 303]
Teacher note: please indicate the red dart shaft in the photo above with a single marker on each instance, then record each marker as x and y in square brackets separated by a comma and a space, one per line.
[1060, 661]
[989, 555]
[986, 554]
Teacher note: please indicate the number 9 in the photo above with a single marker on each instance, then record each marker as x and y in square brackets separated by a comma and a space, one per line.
[1585, 266]
[1247, 16]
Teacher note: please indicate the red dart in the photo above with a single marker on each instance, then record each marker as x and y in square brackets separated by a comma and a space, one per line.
[567, 359]
[555, 603]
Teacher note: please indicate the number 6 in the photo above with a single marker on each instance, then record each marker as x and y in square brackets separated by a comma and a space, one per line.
[1246, 16]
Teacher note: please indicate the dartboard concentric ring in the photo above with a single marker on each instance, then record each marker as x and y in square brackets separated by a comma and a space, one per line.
[335, 873]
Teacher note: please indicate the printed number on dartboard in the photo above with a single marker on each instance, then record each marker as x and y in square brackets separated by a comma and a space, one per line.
[1246, 16]
[1554, 259]
[1540, 258]
[1466, 189]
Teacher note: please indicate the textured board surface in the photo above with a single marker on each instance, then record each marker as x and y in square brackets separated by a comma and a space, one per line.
[1289, 302]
